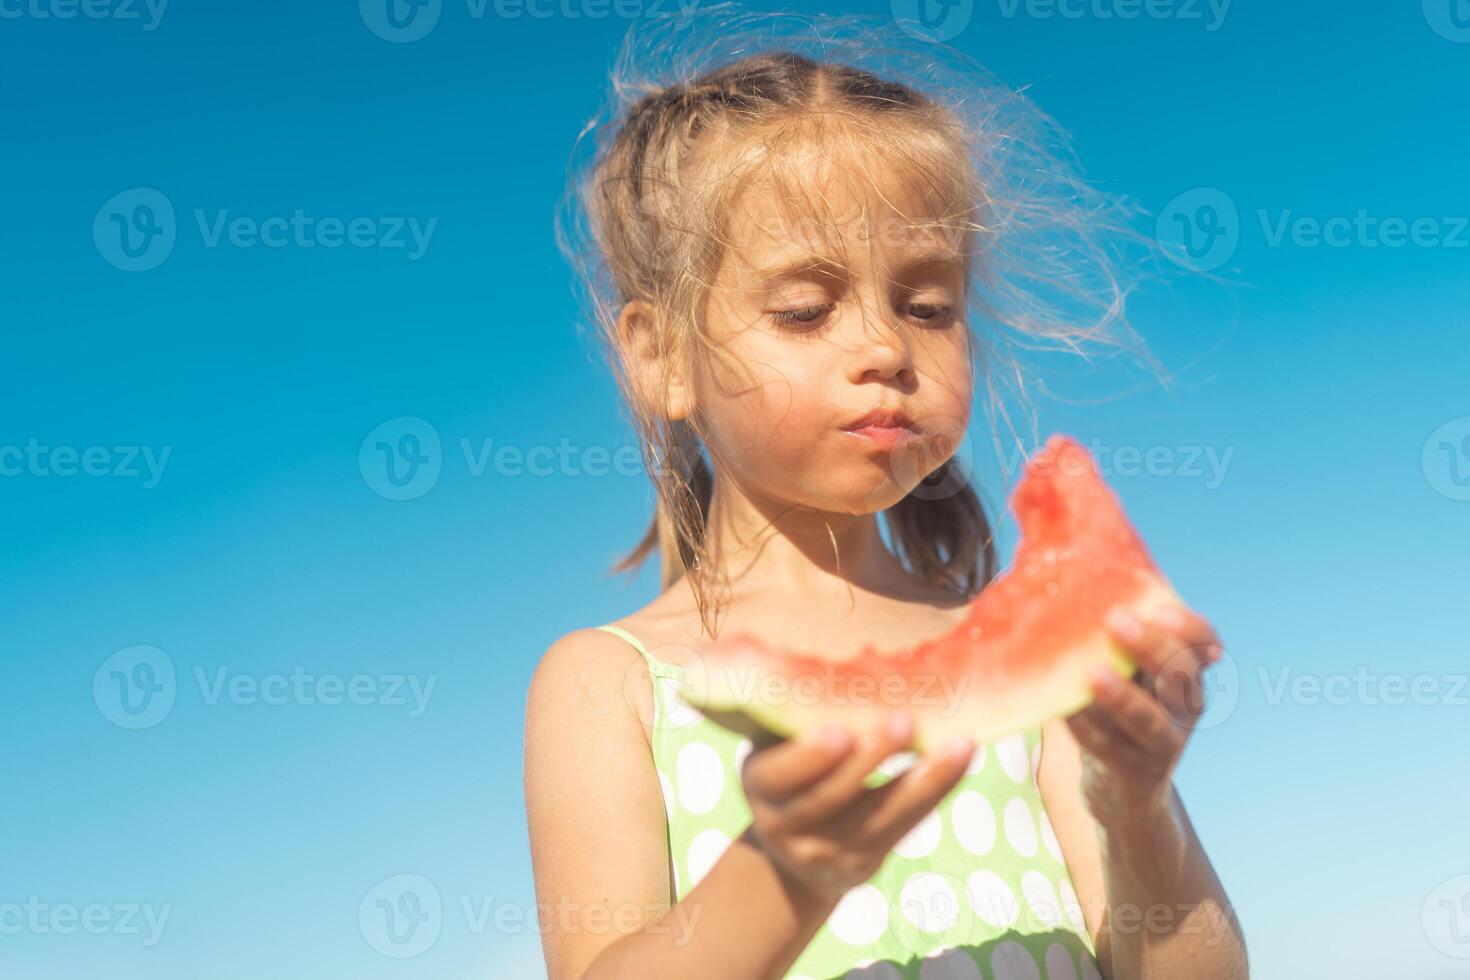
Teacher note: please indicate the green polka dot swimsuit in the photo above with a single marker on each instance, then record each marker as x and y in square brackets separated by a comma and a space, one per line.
[976, 891]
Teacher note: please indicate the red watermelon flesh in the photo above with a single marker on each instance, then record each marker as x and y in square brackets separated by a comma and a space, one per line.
[1020, 657]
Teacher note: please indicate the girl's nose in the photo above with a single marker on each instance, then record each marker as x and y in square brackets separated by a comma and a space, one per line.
[880, 348]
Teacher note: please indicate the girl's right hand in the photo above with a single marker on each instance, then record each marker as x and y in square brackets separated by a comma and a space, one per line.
[815, 818]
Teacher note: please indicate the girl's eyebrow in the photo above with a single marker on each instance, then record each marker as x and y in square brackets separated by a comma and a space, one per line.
[941, 258]
[803, 268]
[807, 267]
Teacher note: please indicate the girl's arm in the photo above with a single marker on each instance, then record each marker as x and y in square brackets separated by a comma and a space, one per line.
[598, 845]
[598, 830]
[1150, 897]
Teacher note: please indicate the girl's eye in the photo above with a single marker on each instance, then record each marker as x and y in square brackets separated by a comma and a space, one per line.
[805, 316]
[928, 311]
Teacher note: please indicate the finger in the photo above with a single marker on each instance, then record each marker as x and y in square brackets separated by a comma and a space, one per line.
[1137, 714]
[837, 791]
[901, 803]
[1180, 688]
[777, 771]
[1192, 630]
[1172, 634]
[1100, 736]
[1171, 663]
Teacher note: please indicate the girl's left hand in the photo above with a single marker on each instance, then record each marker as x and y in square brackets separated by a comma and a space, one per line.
[1134, 732]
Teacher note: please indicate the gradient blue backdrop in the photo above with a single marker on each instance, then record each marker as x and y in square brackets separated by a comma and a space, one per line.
[1335, 541]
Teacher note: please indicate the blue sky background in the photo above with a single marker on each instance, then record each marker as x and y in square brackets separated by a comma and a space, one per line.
[1335, 541]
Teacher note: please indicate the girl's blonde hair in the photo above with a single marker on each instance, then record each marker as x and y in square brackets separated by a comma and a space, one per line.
[703, 105]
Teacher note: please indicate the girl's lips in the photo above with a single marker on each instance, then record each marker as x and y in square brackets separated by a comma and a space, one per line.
[886, 437]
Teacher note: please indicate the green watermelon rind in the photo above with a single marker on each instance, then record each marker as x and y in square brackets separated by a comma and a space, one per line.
[762, 722]
[1021, 701]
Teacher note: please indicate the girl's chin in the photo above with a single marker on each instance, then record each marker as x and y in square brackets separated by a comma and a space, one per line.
[875, 499]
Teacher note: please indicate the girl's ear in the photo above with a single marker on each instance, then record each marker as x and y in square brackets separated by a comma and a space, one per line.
[658, 377]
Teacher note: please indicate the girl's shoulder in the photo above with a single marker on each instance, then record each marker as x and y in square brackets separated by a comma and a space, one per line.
[592, 678]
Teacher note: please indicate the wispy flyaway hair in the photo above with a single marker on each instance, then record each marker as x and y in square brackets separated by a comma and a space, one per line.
[705, 104]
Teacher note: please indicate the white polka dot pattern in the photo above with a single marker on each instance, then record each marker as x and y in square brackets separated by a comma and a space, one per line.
[1042, 898]
[973, 821]
[977, 761]
[677, 713]
[701, 777]
[1059, 965]
[1020, 828]
[860, 917]
[704, 851]
[898, 764]
[1049, 838]
[923, 838]
[1072, 907]
[742, 752]
[950, 964]
[1011, 751]
[928, 901]
[966, 894]
[992, 899]
[1012, 961]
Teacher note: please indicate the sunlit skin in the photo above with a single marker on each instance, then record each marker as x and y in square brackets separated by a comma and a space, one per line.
[887, 326]
[825, 338]
[824, 330]
[825, 322]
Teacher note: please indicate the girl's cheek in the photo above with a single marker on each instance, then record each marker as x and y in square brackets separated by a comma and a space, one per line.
[774, 422]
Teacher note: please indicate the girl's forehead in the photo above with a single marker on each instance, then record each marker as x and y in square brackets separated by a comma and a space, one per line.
[840, 229]
[832, 208]
[832, 190]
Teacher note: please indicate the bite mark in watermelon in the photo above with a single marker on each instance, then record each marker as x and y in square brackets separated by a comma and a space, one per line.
[1021, 656]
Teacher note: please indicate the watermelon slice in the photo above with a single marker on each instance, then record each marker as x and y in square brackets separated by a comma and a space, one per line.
[1021, 656]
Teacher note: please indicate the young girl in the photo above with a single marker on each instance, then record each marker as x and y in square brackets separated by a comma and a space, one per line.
[789, 249]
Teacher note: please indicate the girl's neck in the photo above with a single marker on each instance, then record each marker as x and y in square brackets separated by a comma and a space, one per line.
[799, 552]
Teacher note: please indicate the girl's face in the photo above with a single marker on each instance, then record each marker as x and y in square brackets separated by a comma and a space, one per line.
[827, 325]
